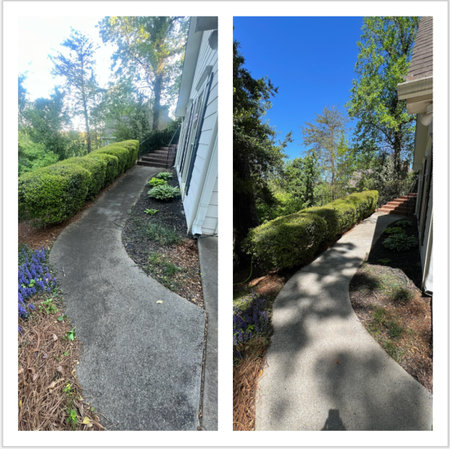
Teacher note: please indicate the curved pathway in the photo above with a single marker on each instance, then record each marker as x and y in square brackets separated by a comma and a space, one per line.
[142, 360]
[323, 369]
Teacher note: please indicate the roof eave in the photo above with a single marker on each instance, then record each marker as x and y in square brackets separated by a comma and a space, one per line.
[190, 61]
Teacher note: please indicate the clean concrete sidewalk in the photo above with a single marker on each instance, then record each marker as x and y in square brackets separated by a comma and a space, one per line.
[324, 371]
[142, 361]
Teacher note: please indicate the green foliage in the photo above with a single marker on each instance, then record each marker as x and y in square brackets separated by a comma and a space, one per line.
[162, 234]
[256, 156]
[147, 51]
[120, 152]
[394, 230]
[97, 169]
[164, 175]
[403, 223]
[401, 294]
[47, 306]
[164, 192]
[77, 69]
[385, 51]
[326, 137]
[151, 211]
[383, 176]
[301, 177]
[293, 239]
[157, 182]
[52, 194]
[384, 261]
[112, 165]
[400, 242]
[33, 155]
[283, 204]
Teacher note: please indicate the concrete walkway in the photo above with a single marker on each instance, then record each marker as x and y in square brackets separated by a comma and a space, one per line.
[208, 255]
[142, 361]
[324, 371]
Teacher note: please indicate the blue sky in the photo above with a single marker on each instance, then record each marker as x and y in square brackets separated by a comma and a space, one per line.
[310, 59]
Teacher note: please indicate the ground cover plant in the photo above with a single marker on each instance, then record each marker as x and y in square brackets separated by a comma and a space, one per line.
[252, 306]
[159, 244]
[385, 295]
[49, 395]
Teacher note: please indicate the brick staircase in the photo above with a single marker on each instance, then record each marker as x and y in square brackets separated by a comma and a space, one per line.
[158, 158]
[405, 205]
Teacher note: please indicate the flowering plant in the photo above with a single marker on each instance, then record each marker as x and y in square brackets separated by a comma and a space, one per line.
[249, 322]
[34, 277]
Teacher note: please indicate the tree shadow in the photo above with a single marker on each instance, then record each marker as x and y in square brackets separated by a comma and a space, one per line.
[326, 367]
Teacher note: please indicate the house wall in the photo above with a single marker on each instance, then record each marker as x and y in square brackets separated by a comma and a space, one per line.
[202, 192]
[424, 205]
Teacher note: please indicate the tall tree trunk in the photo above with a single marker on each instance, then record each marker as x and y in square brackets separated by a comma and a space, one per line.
[88, 133]
[245, 216]
[157, 104]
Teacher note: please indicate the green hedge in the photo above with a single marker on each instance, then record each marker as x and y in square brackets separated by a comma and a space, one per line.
[97, 169]
[55, 193]
[120, 152]
[112, 165]
[291, 240]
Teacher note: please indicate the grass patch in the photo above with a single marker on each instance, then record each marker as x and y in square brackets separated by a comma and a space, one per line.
[157, 232]
[401, 294]
[164, 271]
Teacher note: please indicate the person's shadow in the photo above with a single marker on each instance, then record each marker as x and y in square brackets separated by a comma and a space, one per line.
[334, 421]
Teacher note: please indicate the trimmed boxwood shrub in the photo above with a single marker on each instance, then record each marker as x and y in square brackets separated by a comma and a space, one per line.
[97, 169]
[112, 165]
[330, 215]
[53, 194]
[286, 241]
[132, 146]
[120, 152]
[291, 240]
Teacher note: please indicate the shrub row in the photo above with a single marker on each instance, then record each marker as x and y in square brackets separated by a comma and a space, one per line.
[291, 240]
[53, 194]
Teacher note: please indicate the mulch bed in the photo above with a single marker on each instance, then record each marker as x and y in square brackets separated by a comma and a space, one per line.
[407, 261]
[48, 388]
[140, 246]
[372, 294]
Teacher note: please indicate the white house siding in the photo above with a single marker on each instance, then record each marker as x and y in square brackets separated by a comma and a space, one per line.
[207, 57]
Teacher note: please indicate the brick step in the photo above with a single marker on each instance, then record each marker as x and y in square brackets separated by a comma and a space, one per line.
[401, 203]
[396, 207]
[393, 211]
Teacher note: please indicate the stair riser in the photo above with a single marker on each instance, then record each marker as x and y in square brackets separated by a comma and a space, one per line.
[152, 164]
[154, 158]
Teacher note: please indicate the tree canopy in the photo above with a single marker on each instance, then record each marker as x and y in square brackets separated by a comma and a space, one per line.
[385, 52]
[77, 67]
[149, 51]
[255, 154]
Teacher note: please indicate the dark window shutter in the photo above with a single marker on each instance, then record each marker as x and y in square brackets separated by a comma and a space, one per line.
[198, 133]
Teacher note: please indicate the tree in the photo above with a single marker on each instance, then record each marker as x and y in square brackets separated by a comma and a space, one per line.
[385, 52]
[255, 154]
[149, 52]
[47, 118]
[301, 177]
[80, 85]
[324, 136]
